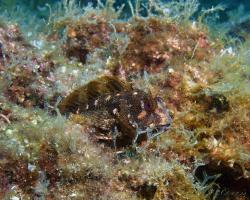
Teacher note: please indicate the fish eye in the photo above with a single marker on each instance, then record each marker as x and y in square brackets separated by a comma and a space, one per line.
[147, 106]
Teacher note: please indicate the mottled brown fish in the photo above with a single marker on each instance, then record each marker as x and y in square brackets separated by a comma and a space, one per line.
[124, 115]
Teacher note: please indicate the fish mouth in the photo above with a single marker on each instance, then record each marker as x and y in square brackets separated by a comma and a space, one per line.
[151, 132]
[165, 118]
[158, 130]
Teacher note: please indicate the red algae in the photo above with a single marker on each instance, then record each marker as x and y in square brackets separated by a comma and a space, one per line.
[108, 82]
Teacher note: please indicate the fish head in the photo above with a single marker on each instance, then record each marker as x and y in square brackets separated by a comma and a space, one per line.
[152, 115]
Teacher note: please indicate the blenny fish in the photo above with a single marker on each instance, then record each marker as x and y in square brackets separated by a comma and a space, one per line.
[125, 115]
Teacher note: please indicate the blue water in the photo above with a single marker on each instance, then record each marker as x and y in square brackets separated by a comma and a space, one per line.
[37, 5]
[234, 13]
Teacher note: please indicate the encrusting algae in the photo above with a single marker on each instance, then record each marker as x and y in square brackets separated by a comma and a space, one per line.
[84, 109]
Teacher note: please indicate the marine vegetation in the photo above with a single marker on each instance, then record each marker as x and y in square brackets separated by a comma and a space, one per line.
[96, 103]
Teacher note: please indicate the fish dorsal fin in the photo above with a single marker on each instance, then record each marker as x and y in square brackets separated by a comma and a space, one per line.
[106, 85]
[70, 103]
[88, 93]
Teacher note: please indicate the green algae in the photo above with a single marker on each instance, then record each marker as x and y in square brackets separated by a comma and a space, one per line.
[205, 85]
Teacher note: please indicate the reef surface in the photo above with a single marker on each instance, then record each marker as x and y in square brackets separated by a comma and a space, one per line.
[95, 105]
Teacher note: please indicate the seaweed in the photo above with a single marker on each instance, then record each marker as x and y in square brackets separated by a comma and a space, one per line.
[168, 96]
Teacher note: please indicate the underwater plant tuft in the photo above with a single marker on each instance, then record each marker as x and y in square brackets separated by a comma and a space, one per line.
[112, 101]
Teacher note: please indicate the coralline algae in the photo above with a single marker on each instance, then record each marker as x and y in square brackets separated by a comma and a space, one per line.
[172, 98]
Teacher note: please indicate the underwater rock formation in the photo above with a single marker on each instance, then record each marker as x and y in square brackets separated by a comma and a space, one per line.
[138, 45]
[84, 36]
[28, 76]
[118, 78]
